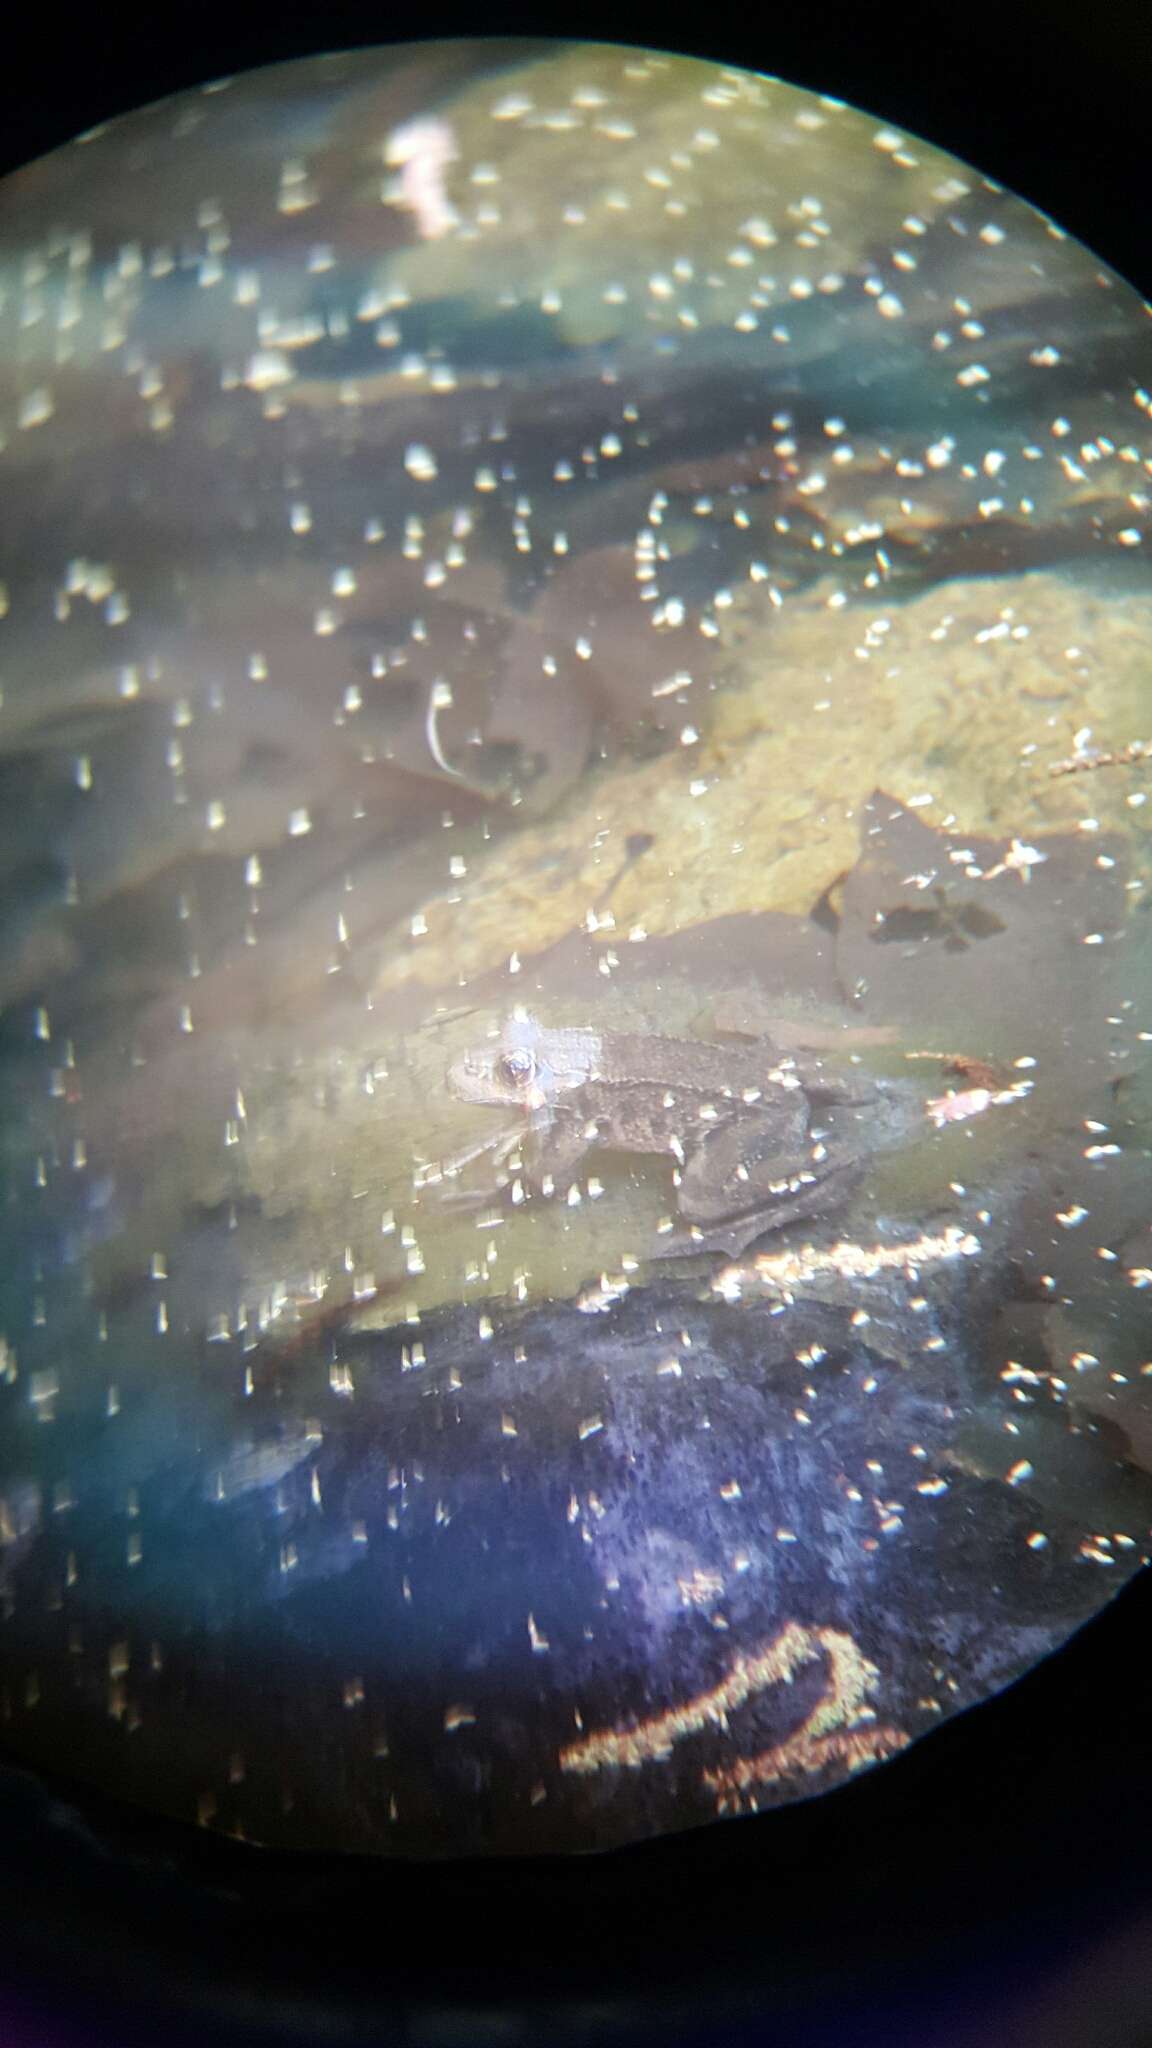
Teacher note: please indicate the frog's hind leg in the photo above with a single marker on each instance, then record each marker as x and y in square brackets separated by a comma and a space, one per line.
[748, 1162]
[810, 1197]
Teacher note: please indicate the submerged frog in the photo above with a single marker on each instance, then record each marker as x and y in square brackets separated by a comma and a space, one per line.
[758, 1139]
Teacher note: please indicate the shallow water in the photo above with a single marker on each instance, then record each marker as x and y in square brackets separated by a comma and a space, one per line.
[556, 532]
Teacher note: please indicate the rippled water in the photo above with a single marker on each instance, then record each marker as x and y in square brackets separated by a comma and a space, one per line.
[573, 1017]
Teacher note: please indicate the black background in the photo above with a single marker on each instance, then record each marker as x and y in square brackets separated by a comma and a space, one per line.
[992, 1886]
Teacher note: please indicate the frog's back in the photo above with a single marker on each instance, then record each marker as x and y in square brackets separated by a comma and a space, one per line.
[634, 1059]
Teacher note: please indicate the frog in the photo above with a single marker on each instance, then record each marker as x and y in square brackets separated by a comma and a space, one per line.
[759, 1138]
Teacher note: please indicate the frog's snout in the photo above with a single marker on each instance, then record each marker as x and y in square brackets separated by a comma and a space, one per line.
[469, 1074]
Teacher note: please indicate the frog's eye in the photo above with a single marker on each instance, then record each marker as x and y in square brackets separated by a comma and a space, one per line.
[516, 1067]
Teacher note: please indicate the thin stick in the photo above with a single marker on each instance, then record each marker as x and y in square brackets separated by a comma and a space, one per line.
[1101, 757]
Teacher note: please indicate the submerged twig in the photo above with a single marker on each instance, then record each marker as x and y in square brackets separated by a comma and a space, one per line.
[1086, 757]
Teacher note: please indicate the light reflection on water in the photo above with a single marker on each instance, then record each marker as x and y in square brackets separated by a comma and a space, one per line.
[592, 538]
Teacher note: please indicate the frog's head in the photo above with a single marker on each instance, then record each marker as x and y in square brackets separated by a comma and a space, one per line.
[512, 1070]
[525, 1065]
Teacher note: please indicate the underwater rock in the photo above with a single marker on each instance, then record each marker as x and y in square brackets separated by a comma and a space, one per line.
[588, 1573]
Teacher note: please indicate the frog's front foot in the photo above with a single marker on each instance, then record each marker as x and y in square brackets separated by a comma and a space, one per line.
[443, 1174]
[463, 1200]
